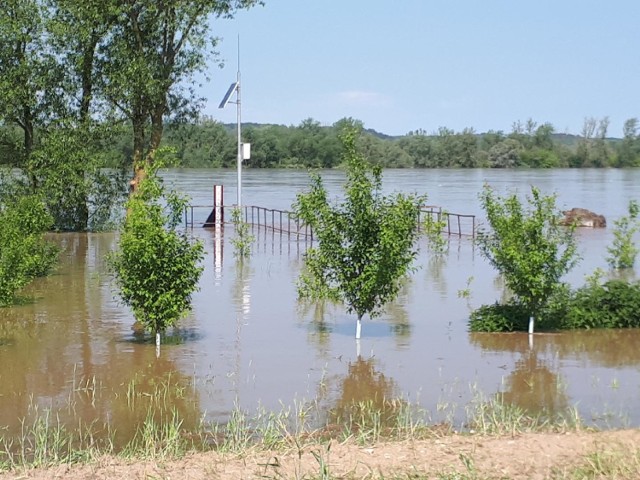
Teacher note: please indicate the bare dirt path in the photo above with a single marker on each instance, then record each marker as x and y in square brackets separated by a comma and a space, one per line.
[524, 456]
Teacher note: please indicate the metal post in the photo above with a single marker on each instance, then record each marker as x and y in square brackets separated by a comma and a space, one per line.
[239, 133]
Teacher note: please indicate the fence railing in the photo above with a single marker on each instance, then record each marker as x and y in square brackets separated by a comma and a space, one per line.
[281, 221]
[456, 223]
[285, 222]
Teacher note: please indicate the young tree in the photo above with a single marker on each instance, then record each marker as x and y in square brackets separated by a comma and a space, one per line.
[527, 246]
[623, 251]
[156, 266]
[366, 244]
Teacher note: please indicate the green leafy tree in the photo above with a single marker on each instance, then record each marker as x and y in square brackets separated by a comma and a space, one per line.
[24, 252]
[156, 266]
[149, 62]
[47, 75]
[623, 252]
[366, 244]
[527, 246]
[30, 76]
[629, 149]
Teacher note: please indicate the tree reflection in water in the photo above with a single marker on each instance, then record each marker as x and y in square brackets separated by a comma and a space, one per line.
[366, 403]
[534, 385]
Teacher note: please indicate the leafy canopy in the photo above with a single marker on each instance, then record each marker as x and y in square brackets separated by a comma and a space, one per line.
[156, 267]
[527, 246]
[24, 252]
[366, 243]
[622, 253]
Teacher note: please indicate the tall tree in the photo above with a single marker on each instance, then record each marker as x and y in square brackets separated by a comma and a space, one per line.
[629, 150]
[29, 75]
[149, 60]
[47, 51]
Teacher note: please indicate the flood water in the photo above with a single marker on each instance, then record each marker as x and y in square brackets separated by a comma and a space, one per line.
[250, 344]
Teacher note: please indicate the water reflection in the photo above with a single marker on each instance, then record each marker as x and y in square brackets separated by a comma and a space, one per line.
[364, 393]
[558, 370]
[319, 328]
[535, 386]
[606, 348]
[70, 352]
[398, 317]
[435, 273]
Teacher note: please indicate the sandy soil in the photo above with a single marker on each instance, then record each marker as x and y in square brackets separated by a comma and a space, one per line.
[528, 456]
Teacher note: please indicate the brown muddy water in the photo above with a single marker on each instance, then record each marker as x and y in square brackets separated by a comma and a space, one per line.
[250, 344]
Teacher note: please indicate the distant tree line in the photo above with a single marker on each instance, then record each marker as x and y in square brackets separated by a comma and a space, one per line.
[207, 143]
[212, 144]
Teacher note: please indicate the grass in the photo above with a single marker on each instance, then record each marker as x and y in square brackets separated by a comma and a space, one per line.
[615, 461]
[162, 432]
[494, 416]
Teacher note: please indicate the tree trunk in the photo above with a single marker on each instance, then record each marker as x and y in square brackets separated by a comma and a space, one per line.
[27, 122]
[139, 172]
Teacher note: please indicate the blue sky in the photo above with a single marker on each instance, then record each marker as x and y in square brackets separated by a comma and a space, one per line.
[421, 64]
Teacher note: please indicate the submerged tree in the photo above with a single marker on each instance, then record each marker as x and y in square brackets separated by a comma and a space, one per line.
[623, 251]
[24, 252]
[366, 244]
[527, 246]
[156, 266]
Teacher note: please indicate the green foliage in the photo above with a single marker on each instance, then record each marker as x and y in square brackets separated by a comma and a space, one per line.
[528, 247]
[366, 244]
[243, 239]
[211, 144]
[614, 304]
[498, 317]
[433, 225]
[623, 252]
[24, 252]
[156, 266]
[79, 193]
[513, 316]
[628, 151]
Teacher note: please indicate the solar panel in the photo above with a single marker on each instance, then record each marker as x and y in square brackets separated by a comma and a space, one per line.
[227, 95]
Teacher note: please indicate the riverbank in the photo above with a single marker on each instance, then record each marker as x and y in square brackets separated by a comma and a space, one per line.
[568, 455]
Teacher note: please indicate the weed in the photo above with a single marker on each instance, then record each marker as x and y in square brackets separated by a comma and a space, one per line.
[243, 239]
[614, 461]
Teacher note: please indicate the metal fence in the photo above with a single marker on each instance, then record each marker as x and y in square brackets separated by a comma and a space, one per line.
[286, 223]
[456, 223]
[281, 221]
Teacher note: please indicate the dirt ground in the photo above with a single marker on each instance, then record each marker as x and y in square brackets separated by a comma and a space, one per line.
[527, 456]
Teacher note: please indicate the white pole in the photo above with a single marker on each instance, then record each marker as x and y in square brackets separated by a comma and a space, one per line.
[358, 328]
[239, 202]
[531, 323]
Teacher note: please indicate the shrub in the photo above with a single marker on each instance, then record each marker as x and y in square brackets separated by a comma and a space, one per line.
[24, 252]
[498, 317]
[156, 266]
[614, 304]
